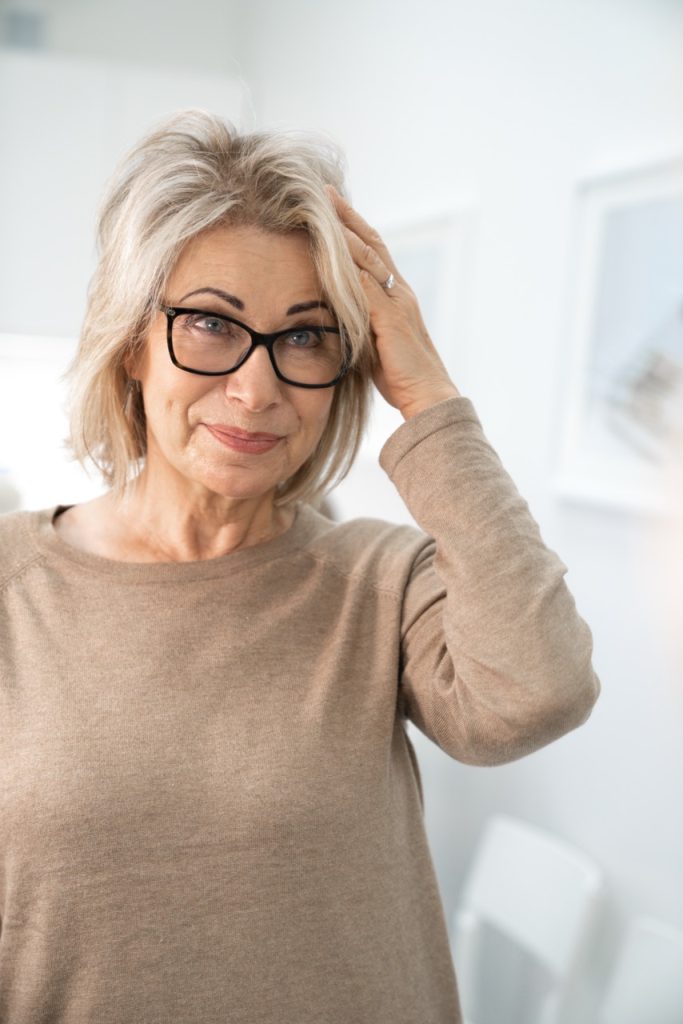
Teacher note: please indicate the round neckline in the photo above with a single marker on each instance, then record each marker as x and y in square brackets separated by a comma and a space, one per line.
[44, 536]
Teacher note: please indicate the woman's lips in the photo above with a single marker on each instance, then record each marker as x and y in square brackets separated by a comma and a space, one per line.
[243, 440]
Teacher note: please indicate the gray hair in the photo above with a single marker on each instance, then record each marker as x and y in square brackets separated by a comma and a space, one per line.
[193, 172]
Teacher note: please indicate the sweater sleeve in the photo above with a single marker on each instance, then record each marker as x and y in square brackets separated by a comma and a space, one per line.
[495, 659]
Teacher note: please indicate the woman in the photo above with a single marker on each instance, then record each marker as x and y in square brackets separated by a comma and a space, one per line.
[211, 810]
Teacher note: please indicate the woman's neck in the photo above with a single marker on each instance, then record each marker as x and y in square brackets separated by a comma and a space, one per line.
[144, 527]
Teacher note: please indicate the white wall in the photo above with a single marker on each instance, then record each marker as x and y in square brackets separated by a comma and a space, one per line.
[201, 36]
[513, 103]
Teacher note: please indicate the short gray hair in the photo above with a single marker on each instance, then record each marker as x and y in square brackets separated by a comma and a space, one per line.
[192, 172]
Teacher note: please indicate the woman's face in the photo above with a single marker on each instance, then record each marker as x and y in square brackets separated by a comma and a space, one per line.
[261, 276]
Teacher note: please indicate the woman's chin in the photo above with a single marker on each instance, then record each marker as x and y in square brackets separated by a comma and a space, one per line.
[240, 485]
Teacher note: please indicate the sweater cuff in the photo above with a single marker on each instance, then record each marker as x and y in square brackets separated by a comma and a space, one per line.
[414, 430]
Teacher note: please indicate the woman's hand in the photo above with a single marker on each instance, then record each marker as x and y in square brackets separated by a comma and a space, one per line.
[410, 374]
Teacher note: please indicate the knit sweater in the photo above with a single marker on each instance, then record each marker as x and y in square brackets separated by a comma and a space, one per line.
[210, 808]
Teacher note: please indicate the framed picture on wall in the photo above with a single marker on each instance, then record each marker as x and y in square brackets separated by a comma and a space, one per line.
[621, 393]
[436, 256]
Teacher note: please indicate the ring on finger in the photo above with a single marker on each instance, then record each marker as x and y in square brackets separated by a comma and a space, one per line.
[389, 283]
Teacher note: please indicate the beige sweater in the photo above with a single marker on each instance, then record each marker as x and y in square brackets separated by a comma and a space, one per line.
[210, 810]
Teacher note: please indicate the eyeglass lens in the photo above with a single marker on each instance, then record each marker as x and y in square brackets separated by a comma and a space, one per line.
[209, 343]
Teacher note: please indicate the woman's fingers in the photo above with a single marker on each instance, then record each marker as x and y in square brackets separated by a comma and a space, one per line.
[366, 257]
[360, 227]
[410, 374]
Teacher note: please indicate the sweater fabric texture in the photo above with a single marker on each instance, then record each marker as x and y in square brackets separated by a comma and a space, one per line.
[210, 807]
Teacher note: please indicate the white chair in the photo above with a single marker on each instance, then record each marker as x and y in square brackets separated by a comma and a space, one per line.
[542, 895]
[646, 986]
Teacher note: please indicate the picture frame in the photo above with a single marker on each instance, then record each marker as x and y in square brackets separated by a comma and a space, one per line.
[620, 408]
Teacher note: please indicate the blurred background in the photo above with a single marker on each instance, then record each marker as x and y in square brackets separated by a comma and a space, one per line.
[525, 163]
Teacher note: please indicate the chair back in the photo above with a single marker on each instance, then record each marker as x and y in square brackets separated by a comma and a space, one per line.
[541, 893]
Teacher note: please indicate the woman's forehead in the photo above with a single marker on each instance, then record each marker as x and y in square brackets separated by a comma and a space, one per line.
[234, 257]
[233, 242]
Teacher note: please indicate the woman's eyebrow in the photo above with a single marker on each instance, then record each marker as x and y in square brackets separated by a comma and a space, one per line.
[232, 299]
[299, 307]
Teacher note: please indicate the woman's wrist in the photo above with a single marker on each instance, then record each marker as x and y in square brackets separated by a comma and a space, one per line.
[426, 401]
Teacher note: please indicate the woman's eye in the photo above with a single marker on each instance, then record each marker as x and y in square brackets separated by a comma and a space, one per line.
[202, 322]
[303, 339]
[212, 324]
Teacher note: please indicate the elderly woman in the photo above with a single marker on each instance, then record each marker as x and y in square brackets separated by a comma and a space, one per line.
[211, 810]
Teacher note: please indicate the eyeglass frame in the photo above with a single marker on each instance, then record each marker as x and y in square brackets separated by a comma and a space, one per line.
[257, 338]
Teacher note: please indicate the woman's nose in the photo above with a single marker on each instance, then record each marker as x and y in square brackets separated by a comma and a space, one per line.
[255, 383]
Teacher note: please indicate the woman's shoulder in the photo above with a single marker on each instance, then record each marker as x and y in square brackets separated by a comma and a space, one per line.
[16, 544]
[377, 550]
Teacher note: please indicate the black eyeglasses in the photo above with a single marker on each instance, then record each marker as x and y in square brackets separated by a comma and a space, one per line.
[213, 345]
